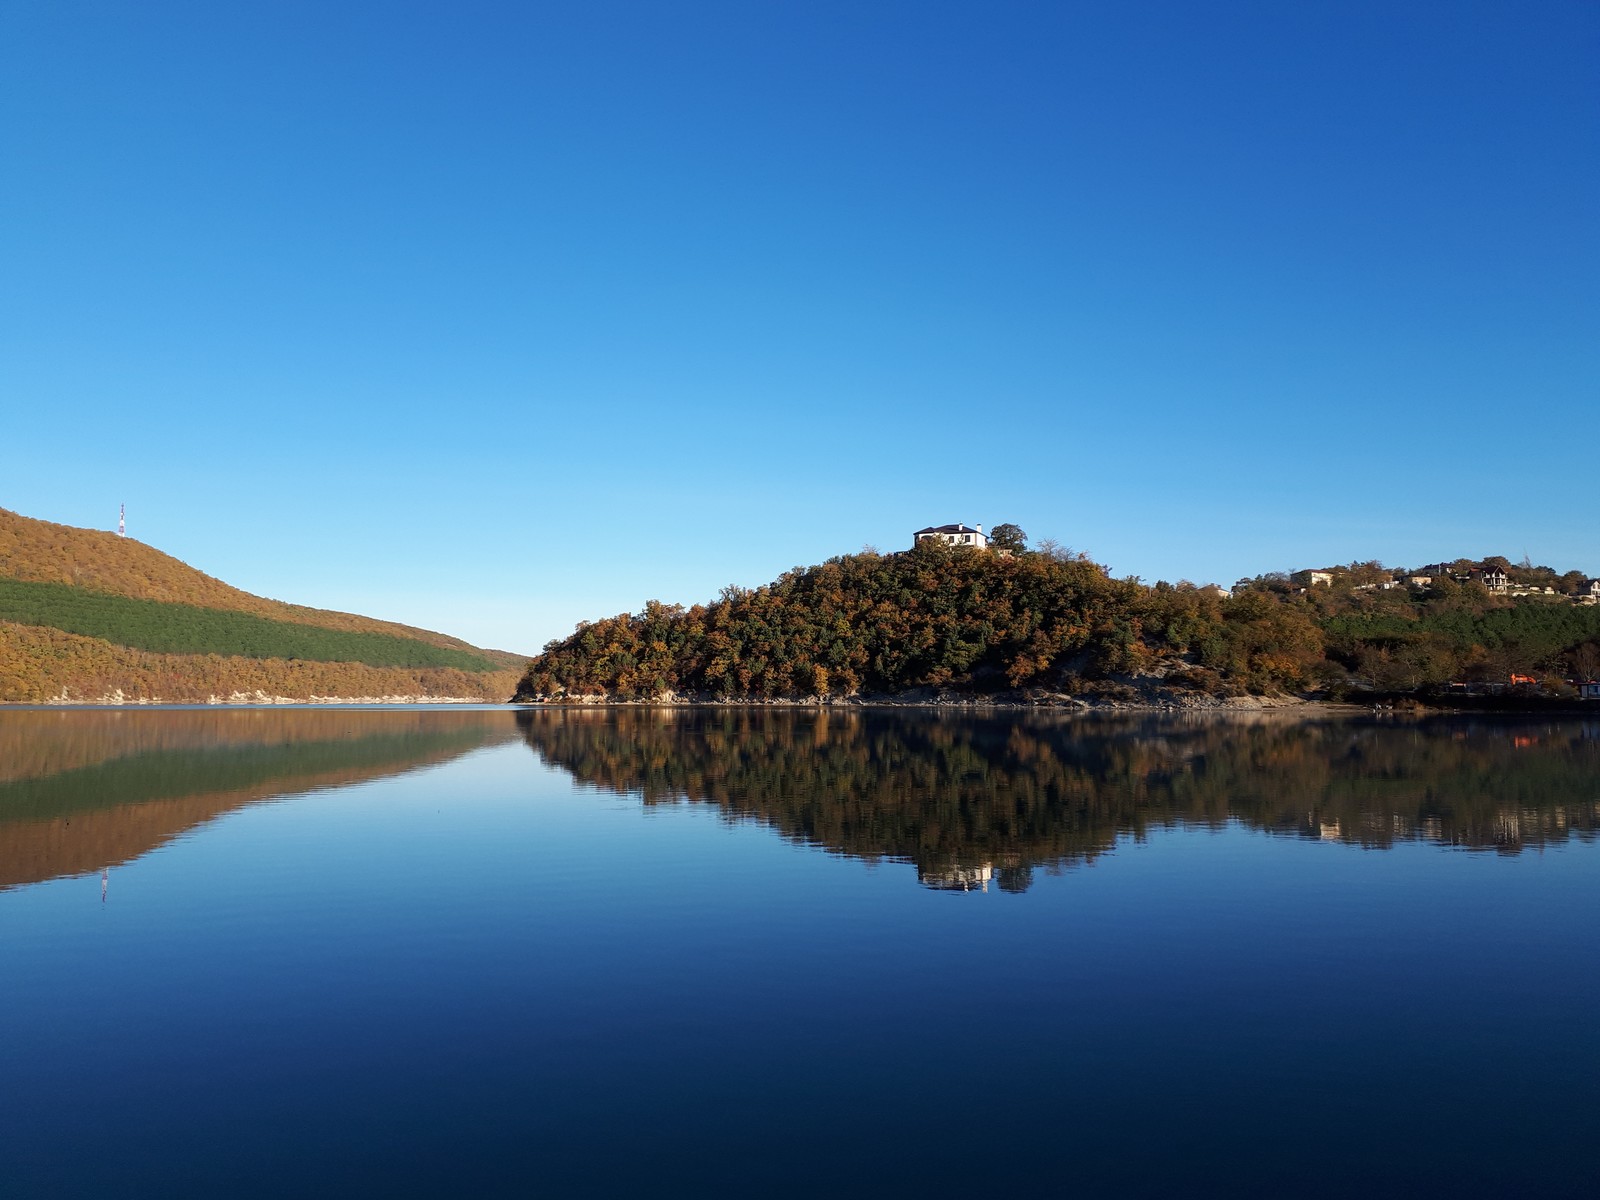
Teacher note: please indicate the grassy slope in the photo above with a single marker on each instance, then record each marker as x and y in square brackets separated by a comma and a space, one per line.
[85, 614]
[103, 562]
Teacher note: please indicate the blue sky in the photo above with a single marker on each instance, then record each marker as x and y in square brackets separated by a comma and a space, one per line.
[494, 317]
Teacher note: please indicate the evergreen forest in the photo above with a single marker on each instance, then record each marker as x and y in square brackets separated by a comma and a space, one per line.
[167, 628]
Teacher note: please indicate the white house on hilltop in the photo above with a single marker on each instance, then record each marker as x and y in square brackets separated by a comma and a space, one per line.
[954, 535]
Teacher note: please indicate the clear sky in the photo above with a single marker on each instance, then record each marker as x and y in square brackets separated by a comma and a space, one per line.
[493, 317]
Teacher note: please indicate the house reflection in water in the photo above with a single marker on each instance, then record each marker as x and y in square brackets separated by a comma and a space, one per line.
[955, 878]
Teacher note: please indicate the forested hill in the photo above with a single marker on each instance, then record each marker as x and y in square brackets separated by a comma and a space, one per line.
[88, 615]
[974, 622]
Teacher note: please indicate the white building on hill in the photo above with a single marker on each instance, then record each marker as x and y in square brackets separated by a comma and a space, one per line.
[954, 535]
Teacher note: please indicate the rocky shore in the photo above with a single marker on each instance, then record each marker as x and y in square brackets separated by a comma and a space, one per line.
[117, 698]
[945, 699]
[1164, 701]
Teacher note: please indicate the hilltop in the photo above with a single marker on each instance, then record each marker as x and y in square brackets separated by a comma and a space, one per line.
[89, 615]
[941, 621]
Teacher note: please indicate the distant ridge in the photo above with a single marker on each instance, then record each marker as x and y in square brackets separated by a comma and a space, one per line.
[44, 552]
[87, 615]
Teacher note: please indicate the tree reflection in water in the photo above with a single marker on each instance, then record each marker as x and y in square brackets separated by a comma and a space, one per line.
[981, 800]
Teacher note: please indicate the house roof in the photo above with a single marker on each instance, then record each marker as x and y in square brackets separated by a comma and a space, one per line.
[945, 529]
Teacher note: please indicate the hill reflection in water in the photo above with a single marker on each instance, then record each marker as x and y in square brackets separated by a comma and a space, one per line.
[981, 800]
[83, 790]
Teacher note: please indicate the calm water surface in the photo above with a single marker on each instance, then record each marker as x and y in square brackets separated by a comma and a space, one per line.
[410, 952]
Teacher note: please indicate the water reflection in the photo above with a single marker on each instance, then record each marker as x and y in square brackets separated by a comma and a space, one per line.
[85, 790]
[981, 801]
[976, 803]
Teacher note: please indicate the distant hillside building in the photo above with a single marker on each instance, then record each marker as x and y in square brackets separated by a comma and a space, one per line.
[1495, 581]
[954, 535]
[1313, 578]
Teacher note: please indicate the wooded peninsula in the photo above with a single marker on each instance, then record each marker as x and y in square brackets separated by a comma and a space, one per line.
[941, 622]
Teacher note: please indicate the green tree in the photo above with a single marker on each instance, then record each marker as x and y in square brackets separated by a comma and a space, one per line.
[1008, 537]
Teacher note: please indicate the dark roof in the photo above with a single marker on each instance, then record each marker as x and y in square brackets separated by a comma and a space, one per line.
[945, 529]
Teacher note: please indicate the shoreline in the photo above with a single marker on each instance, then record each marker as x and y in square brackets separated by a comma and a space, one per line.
[1065, 705]
[244, 700]
[1211, 705]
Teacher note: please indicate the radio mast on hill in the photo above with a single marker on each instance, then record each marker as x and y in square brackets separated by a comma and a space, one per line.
[122, 520]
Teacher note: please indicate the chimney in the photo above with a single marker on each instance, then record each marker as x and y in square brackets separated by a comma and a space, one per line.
[979, 528]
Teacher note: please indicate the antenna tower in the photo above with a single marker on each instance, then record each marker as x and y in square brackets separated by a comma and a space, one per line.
[122, 520]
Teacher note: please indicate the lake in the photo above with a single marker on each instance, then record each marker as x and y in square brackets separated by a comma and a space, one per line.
[792, 952]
